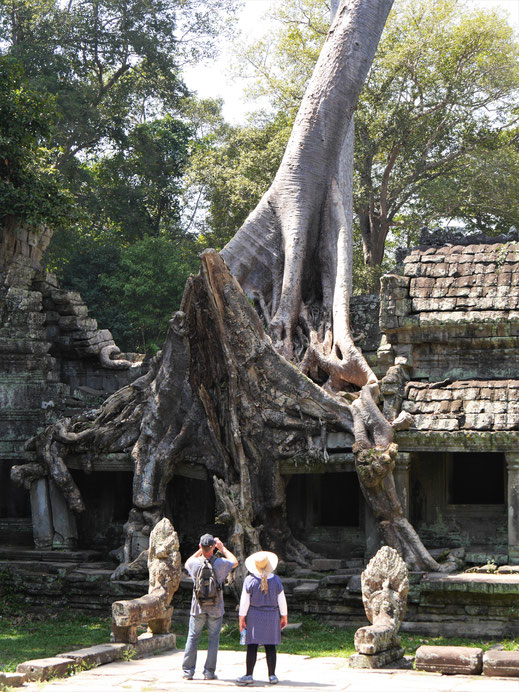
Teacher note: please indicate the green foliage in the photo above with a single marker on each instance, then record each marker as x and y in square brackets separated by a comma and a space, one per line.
[232, 167]
[435, 138]
[140, 182]
[149, 283]
[30, 186]
[130, 289]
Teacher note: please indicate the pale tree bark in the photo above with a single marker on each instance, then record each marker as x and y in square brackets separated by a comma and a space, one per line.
[222, 393]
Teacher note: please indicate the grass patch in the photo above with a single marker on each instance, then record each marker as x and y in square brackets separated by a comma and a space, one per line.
[315, 639]
[28, 636]
[25, 635]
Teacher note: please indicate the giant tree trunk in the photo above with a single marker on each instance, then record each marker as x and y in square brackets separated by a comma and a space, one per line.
[221, 393]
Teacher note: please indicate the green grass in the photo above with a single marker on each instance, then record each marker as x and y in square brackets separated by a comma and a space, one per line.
[25, 635]
[315, 639]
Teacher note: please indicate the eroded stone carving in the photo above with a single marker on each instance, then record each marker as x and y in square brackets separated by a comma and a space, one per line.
[153, 609]
[385, 586]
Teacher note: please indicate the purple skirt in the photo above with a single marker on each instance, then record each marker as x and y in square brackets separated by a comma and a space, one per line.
[263, 625]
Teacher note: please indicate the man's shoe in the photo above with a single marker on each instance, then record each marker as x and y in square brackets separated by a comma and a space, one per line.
[210, 676]
[244, 680]
[188, 675]
[273, 679]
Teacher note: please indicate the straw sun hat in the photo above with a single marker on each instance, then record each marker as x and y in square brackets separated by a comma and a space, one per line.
[261, 563]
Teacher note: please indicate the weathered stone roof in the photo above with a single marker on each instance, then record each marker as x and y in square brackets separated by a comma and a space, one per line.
[482, 278]
[464, 405]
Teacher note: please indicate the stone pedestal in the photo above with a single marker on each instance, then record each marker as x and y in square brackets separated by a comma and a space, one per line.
[512, 464]
[378, 660]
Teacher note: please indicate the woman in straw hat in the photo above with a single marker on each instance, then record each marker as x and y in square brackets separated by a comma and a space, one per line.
[263, 612]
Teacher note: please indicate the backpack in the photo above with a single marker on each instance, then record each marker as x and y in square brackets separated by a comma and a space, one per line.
[206, 588]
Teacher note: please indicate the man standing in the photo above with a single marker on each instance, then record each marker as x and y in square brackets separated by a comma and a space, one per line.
[206, 613]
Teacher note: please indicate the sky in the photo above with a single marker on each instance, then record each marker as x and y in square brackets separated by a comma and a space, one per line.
[213, 80]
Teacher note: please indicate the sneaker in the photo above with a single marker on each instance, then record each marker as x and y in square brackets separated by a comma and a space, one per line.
[244, 680]
[210, 676]
[273, 679]
[188, 674]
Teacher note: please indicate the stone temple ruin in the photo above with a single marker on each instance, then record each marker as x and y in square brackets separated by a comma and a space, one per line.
[445, 348]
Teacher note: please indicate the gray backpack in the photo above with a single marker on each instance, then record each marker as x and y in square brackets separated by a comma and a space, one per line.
[206, 588]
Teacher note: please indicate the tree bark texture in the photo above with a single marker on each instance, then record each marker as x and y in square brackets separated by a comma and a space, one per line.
[292, 254]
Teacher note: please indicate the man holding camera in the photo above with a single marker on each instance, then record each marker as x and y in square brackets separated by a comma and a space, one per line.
[208, 613]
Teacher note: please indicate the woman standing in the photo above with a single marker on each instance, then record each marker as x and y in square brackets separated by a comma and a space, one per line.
[263, 612]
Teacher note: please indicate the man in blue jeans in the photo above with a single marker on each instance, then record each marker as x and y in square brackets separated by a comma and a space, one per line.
[210, 614]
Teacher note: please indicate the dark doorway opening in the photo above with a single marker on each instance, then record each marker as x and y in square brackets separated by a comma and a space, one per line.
[327, 499]
[477, 479]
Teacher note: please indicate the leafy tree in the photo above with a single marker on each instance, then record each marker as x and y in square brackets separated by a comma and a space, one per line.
[141, 182]
[231, 168]
[133, 289]
[442, 89]
[150, 282]
[109, 62]
[29, 184]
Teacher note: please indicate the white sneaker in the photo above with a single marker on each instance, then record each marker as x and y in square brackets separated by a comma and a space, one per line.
[244, 680]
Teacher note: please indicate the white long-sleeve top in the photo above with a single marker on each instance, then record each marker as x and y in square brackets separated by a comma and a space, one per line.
[245, 602]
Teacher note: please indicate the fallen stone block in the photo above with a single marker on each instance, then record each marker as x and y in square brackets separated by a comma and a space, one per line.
[45, 668]
[12, 679]
[501, 664]
[450, 660]
[97, 655]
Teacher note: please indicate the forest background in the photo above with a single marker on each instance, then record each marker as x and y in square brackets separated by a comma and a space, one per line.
[101, 139]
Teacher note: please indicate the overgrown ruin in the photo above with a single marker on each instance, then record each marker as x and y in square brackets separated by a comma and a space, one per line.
[261, 416]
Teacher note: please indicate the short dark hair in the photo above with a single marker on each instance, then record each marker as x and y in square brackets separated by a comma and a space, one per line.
[207, 541]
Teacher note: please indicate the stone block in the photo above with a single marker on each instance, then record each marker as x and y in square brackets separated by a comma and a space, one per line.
[45, 668]
[306, 588]
[325, 564]
[153, 643]
[450, 660]
[383, 658]
[97, 655]
[11, 679]
[501, 664]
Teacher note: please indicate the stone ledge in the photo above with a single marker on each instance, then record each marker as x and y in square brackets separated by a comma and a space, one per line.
[379, 660]
[94, 656]
[12, 679]
[45, 668]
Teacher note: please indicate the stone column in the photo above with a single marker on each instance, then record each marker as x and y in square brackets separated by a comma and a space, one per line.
[42, 529]
[401, 477]
[63, 520]
[512, 465]
[371, 533]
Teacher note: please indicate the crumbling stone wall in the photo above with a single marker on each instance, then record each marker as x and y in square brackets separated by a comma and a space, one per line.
[54, 361]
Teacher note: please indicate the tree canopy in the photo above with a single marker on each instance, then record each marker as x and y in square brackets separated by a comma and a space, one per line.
[95, 136]
[438, 109]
